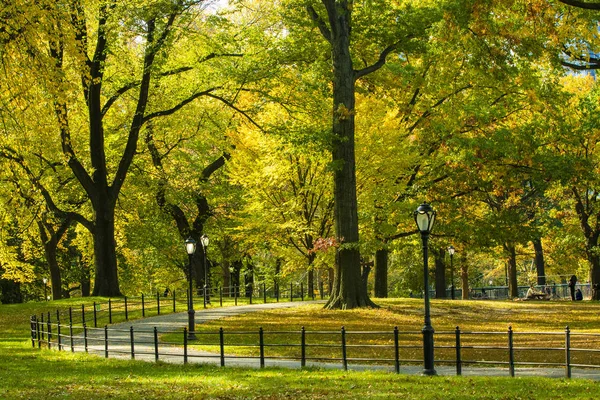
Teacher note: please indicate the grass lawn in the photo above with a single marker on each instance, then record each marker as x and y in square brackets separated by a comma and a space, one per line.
[31, 373]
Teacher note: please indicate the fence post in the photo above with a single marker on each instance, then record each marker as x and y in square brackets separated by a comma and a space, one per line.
[132, 342]
[303, 348]
[58, 339]
[126, 310]
[222, 346]
[95, 316]
[261, 344]
[43, 337]
[39, 332]
[105, 341]
[458, 353]
[302, 291]
[291, 291]
[511, 353]
[344, 357]
[70, 315]
[83, 314]
[143, 307]
[251, 292]
[220, 296]
[58, 329]
[109, 311]
[32, 324]
[567, 352]
[264, 293]
[185, 345]
[396, 351]
[155, 344]
[235, 293]
[158, 302]
[85, 338]
[71, 337]
[321, 289]
[49, 332]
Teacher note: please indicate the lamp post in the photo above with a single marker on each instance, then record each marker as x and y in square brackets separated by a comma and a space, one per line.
[425, 218]
[45, 280]
[204, 241]
[190, 248]
[451, 252]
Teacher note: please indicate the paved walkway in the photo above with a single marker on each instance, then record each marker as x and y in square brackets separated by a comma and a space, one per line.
[144, 348]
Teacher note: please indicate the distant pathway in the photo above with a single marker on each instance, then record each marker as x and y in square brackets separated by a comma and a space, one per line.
[168, 323]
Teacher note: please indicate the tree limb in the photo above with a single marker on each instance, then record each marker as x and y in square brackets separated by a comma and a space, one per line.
[316, 18]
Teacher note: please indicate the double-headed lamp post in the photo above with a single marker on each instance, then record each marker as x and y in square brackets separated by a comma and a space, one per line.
[425, 218]
[190, 248]
[451, 252]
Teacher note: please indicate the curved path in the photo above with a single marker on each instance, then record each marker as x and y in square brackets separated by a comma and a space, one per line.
[144, 348]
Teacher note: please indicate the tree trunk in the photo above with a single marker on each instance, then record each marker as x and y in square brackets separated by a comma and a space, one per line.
[594, 261]
[440, 273]
[226, 276]
[540, 265]
[366, 270]
[106, 281]
[381, 273]
[311, 274]
[249, 280]
[55, 277]
[513, 289]
[348, 290]
[464, 277]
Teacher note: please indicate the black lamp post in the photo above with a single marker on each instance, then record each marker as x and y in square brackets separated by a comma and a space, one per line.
[425, 218]
[45, 280]
[190, 248]
[451, 252]
[204, 241]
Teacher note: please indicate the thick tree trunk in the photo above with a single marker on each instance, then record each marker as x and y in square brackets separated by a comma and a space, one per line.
[440, 273]
[540, 264]
[106, 281]
[55, 277]
[594, 261]
[381, 273]
[513, 289]
[348, 290]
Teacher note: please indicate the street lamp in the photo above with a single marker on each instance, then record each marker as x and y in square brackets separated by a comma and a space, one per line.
[425, 218]
[45, 280]
[204, 241]
[451, 252]
[190, 248]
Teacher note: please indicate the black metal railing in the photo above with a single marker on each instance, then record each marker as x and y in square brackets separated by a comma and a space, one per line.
[392, 348]
[127, 308]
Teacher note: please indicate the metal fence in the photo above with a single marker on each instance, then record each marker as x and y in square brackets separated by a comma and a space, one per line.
[125, 308]
[389, 349]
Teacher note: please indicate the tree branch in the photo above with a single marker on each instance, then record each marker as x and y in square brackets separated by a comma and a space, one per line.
[380, 62]
[316, 18]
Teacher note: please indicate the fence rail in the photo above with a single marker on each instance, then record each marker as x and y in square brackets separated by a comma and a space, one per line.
[385, 349]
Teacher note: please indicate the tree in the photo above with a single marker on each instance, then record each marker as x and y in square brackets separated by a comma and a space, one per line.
[97, 57]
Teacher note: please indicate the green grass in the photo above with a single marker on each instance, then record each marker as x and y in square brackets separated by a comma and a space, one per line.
[31, 373]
